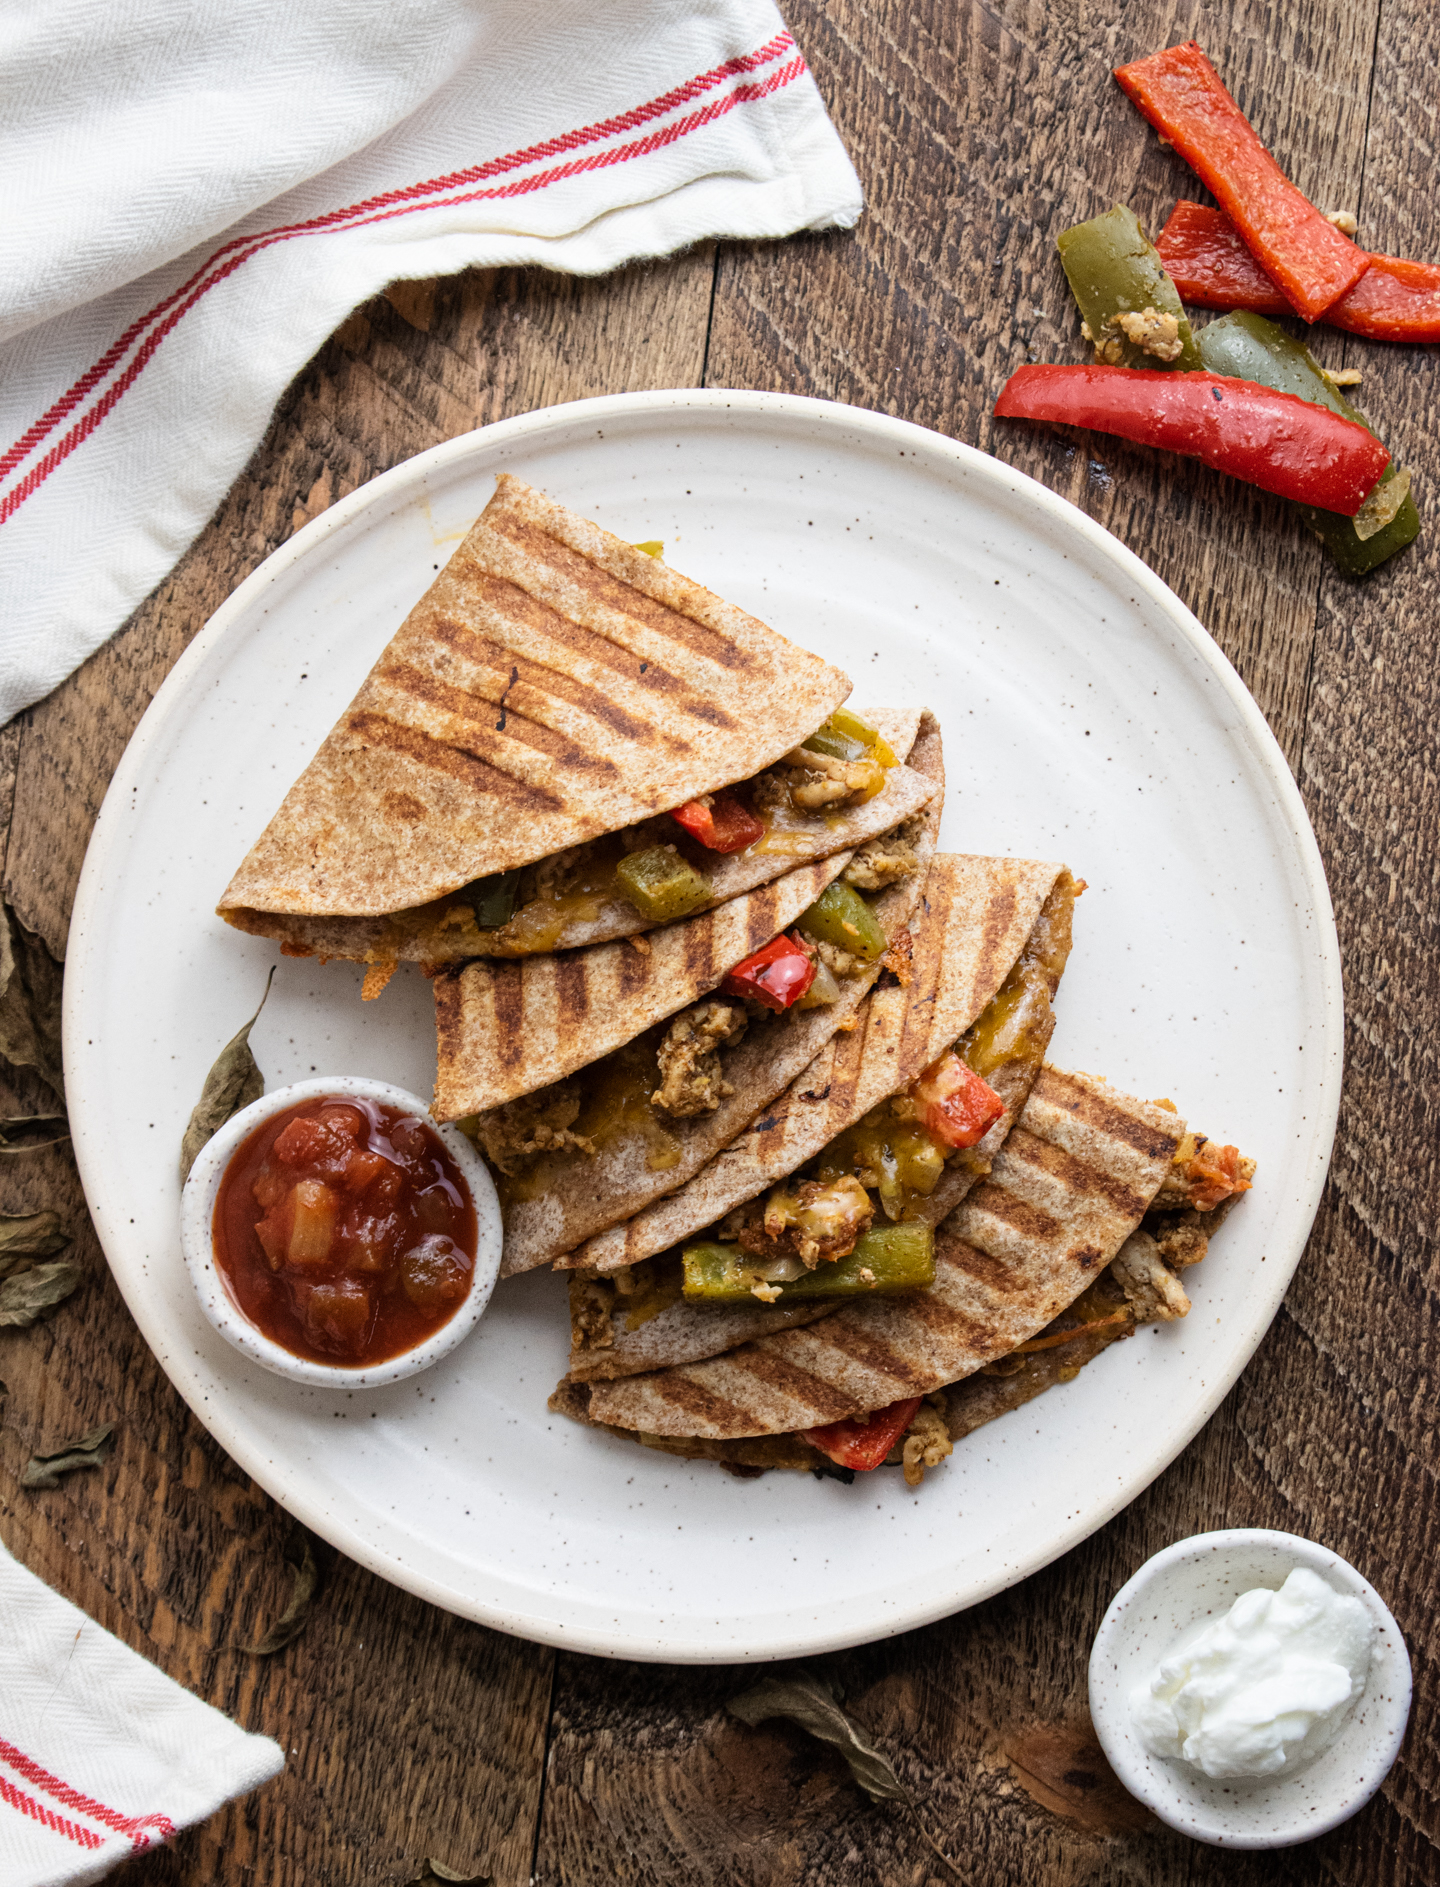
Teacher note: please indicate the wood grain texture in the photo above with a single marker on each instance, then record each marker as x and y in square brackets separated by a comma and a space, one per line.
[981, 128]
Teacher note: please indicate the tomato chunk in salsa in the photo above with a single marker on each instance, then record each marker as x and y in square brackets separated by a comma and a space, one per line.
[344, 1231]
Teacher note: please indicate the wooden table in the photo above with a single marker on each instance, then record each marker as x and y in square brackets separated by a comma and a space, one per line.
[980, 130]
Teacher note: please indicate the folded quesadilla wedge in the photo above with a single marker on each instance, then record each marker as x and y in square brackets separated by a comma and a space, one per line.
[575, 899]
[1126, 1295]
[576, 1156]
[883, 1164]
[554, 686]
[510, 1029]
[1073, 1181]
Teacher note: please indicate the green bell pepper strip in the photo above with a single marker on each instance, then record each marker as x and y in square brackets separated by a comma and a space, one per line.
[1249, 347]
[840, 916]
[1114, 269]
[493, 899]
[897, 1257]
[661, 884]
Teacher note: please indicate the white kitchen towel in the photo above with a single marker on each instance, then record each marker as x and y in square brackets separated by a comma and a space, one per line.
[101, 1755]
[198, 192]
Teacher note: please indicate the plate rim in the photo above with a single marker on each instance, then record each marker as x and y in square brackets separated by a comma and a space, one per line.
[1250, 724]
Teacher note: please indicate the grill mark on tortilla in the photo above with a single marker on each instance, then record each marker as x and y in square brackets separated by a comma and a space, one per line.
[634, 971]
[478, 713]
[1028, 1220]
[1077, 1175]
[760, 924]
[999, 912]
[537, 676]
[942, 1319]
[621, 596]
[789, 1379]
[699, 936]
[572, 989]
[1063, 1091]
[472, 769]
[960, 1255]
[688, 1395]
[448, 1021]
[517, 608]
[872, 1353]
[509, 1000]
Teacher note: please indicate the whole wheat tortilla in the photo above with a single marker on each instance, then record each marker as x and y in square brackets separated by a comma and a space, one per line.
[980, 917]
[1070, 1185]
[578, 1195]
[506, 1029]
[431, 935]
[553, 684]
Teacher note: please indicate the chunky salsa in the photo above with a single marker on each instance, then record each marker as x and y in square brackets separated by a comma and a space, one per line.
[345, 1231]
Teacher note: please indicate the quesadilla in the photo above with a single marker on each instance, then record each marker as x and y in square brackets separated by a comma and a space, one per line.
[575, 1157]
[554, 691]
[511, 1029]
[1093, 1206]
[857, 1148]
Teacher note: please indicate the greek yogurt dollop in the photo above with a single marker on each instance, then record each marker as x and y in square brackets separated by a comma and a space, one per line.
[1263, 1690]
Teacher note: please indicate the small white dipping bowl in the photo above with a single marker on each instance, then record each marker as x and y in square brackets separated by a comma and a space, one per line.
[197, 1212]
[1186, 1586]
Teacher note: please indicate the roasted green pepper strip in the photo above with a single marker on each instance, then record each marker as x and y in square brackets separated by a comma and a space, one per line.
[840, 916]
[493, 899]
[886, 1259]
[661, 884]
[1249, 347]
[1114, 270]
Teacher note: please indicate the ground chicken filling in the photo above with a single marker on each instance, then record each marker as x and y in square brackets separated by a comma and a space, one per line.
[1150, 330]
[689, 1058]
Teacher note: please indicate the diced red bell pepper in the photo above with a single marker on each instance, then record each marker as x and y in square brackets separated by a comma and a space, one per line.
[864, 1445]
[724, 824]
[1274, 440]
[1394, 300]
[778, 975]
[959, 1108]
[1306, 257]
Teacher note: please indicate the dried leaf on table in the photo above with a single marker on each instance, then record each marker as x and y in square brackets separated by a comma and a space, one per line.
[810, 1703]
[28, 1133]
[25, 1295]
[806, 1701]
[30, 981]
[233, 1082]
[88, 1452]
[29, 1235]
[431, 1869]
[299, 1554]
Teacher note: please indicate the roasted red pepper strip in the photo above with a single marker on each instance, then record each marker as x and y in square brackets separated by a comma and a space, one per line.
[778, 975]
[1207, 260]
[863, 1445]
[1273, 440]
[959, 1108]
[724, 825]
[1308, 259]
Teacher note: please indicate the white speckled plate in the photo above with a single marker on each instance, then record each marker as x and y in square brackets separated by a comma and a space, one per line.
[1087, 717]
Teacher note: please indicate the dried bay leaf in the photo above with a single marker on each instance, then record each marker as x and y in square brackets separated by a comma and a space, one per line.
[233, 1082]
[299, 1554]
[29, 1235]
[431, 1869]
[30, 981]
[88, 1452]
[26, 1295]
[805, 1700]
[28, 1133]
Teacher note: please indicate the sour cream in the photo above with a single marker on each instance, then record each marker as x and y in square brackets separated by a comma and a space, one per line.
[1263, 1690]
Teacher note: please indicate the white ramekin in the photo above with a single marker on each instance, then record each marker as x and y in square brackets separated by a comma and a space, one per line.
[1198, 1579]
[197, 1209]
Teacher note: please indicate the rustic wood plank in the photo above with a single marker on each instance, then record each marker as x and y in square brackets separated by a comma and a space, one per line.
[409, 1733]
